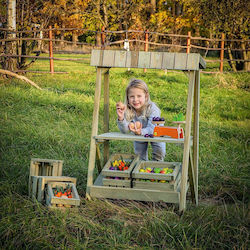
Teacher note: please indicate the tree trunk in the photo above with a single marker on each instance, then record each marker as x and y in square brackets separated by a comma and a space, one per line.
[232, 63]
[62, 37]
[74, 38]
[153, 5]
[246, 66]
[98, 39]
[11, 47]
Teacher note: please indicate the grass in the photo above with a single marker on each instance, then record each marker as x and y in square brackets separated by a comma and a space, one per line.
[56, 123]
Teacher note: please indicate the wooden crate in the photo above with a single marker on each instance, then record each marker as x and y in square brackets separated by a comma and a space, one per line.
[166, 186]
[136, 174]
[116, 173]
[53, 201]
[44, 167]
[126, 182]
[38, 184]
[125, 175]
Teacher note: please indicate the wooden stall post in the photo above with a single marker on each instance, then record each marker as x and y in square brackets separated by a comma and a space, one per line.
[92, 153]
[186, 151]
[106, 114]
[222, 51]
[188, 42]
[146, 46]
[196, 131]
[103, 37]
[51, 62]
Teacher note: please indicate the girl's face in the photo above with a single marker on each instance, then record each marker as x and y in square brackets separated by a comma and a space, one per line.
[137, 98]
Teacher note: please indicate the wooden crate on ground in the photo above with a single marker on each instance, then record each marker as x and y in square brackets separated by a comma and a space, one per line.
[53, 201]
[44, 167]
[166, 178]
[115, 177]
[38, 184]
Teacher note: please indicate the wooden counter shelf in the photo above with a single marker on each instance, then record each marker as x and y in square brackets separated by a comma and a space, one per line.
[131, 137]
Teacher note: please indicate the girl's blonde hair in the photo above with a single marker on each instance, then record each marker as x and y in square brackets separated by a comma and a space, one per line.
[130, 111]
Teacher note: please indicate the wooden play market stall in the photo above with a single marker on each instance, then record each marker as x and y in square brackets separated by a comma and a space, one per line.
[184, 174]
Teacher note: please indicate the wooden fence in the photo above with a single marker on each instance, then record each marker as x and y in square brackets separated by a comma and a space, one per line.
[147, 39]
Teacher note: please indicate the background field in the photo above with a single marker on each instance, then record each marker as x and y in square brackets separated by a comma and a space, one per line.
[56, 123]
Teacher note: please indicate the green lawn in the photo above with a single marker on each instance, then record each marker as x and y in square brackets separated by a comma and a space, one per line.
[56, 123]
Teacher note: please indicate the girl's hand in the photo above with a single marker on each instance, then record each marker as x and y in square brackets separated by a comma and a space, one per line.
[135, 127]
[120, 110]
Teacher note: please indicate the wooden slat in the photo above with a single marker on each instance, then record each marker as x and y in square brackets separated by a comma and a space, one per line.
[193, 61]
[156, 60]
[168, 60]
[95, 57]
[128, 59]
[55, 169]
[187, 142]
[134, 59]
[120, 59]
[108, 58]
[180, 61]
[144, 59]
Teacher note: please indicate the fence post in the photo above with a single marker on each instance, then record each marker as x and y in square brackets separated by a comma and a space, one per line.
[103, 37]
[51, 62]
[222, 52]
[146, 46]
[188, 42]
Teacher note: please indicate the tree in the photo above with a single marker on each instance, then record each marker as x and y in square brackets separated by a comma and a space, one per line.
[10, 48]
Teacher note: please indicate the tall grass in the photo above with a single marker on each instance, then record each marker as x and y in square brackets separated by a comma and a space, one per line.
[56, 123]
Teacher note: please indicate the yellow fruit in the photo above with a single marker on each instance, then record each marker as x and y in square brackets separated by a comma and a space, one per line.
[162, 181]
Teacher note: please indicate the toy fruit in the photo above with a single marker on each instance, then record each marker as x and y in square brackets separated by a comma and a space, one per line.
[142, 170]
[162, 171]
[131, 126]
[162, 181]
[120, 105]
[138, 125]
[157, 170]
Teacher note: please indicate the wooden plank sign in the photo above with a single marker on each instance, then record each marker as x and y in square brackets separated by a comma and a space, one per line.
[148, 60]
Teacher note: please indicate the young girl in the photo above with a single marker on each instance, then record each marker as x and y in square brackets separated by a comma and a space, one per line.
[136, 117]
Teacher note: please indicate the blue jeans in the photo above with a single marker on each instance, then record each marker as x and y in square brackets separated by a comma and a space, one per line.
[158, 154]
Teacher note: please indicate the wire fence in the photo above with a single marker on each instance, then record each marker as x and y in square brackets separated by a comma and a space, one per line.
[53, 40]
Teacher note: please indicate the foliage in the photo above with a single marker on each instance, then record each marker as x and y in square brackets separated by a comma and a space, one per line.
[56, 123]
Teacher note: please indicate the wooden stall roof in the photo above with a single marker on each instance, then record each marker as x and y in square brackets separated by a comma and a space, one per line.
[147, 60]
